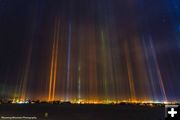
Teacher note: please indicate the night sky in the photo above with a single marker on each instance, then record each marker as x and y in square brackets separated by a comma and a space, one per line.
[90, 50]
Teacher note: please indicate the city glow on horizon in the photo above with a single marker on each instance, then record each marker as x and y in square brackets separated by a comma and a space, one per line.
[96, 102]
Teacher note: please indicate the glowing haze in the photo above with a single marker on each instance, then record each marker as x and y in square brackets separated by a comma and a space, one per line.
[93, 50]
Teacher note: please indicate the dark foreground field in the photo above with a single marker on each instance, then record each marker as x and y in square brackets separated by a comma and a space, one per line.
[82, 112]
